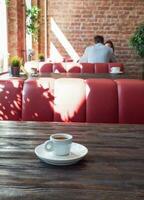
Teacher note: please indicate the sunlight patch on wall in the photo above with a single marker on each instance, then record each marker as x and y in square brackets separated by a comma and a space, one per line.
[64, 41]
[55, 56]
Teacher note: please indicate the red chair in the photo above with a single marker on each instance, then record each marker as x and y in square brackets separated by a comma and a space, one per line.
[101, 68]
[59, 68]
[46, 68]
[87, 68]
[110, 65]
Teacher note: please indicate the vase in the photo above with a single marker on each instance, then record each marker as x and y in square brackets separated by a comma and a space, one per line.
[15, 71]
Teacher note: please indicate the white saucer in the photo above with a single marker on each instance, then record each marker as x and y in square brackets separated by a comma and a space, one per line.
[77, 152]
[120, 72]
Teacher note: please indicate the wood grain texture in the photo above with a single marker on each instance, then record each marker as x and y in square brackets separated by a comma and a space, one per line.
[112, 170]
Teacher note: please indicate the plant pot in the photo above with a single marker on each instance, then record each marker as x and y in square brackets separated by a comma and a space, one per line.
[42, 60]
[15, 71]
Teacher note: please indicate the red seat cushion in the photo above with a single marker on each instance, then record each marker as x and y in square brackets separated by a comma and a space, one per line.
[87, 67]
[70, 100]
[38, 99]
[101, 68]
[46, 68]
[11, 99]
[131, 101]
[102, 101]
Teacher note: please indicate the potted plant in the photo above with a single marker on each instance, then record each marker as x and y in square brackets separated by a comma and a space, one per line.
[41, 57]
[137, 42]
[15, 65]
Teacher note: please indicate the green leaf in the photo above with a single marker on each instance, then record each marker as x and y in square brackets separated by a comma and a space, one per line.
[137, 40]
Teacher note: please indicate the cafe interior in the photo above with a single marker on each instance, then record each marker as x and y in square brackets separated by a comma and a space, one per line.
[69, 129]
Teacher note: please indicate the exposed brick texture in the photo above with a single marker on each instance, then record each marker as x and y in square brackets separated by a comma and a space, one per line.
[12, 28]
[16, 28]
[80, 20]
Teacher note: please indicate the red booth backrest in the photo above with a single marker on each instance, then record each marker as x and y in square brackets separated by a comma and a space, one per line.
[46, 68]
[72, 67]
[131, 101]
[70, 100]
[59, 68]
[101, 68]
[87, 68]
[11, 99]
[102, 101]
[38, 100]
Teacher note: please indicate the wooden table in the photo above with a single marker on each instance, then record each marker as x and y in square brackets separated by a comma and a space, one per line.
[87, 75]
[112, 170]
[76, 75]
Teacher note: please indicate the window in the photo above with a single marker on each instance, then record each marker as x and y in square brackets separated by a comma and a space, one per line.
[28, 36]
[3, 37]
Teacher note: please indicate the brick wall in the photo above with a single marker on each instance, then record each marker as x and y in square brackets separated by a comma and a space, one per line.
[80, 20]
[16, 28]
[12, 27]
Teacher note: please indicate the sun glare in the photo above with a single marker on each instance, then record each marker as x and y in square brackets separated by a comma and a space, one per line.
[55, 56]
[64, 41]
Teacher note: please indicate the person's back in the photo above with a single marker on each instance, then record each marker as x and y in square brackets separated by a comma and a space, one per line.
[98, 53]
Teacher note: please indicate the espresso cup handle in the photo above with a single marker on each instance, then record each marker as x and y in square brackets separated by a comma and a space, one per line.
[49, 145]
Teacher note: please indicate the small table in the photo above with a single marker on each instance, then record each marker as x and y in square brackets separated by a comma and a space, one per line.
[113, 168]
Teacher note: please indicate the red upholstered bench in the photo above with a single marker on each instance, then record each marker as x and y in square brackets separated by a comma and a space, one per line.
[73, 100]
[71, 67]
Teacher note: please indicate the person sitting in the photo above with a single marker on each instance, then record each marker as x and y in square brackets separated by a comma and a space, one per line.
[98, 53]
[110, 44]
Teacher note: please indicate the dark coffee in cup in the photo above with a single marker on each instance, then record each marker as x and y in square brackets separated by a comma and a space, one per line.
[60, 137]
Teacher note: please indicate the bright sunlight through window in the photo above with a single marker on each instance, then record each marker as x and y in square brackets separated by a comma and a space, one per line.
[3, 37]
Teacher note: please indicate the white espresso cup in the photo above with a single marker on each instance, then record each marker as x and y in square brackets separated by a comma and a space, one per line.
[115, 69]
[59, 144]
